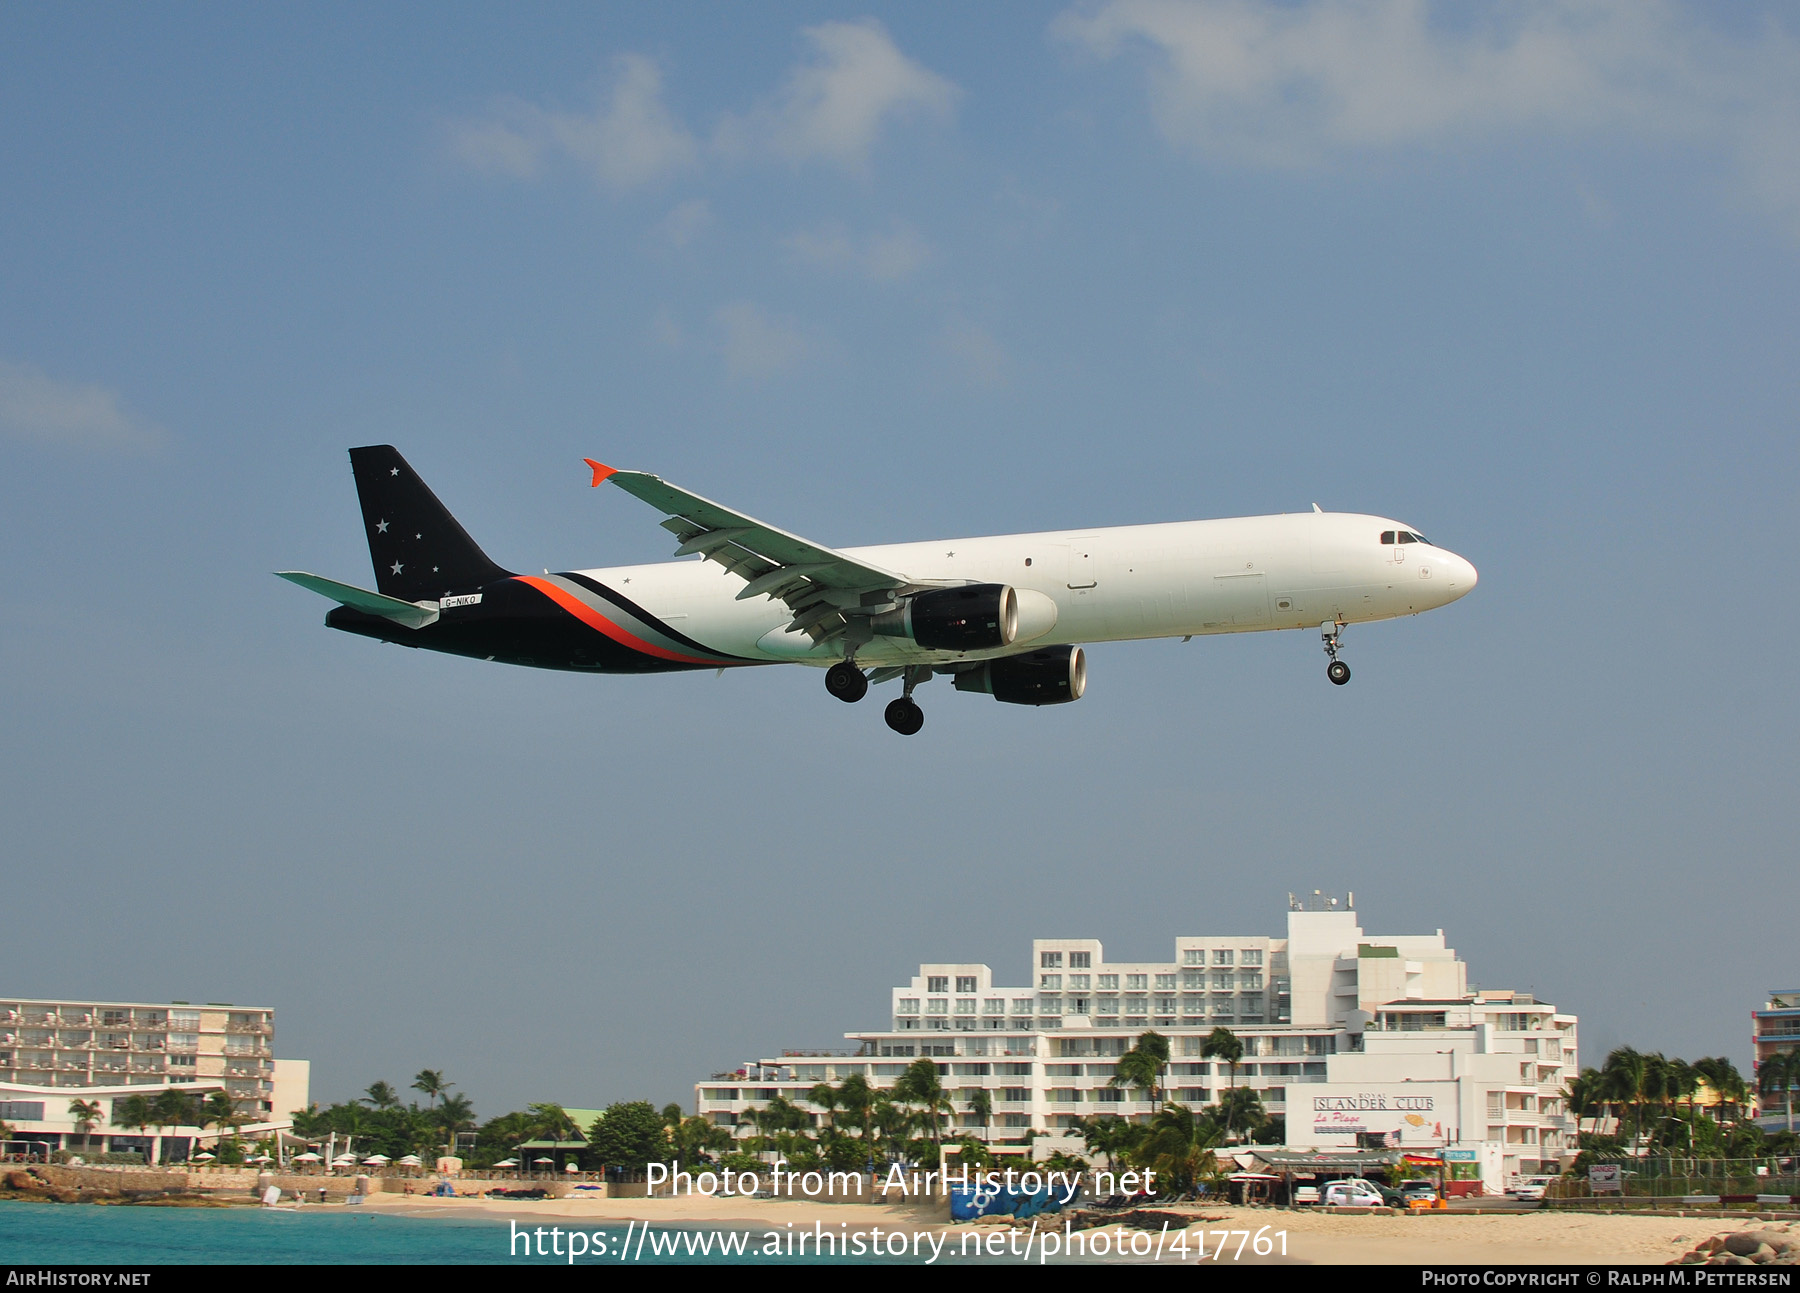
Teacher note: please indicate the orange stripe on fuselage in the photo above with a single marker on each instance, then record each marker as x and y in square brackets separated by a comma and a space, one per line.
[594, 620]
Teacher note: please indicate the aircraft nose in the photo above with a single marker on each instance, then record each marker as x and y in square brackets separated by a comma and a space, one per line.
[1463, 576]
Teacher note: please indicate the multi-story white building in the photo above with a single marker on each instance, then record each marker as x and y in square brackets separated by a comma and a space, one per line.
[1354, 1040]
[56, 1052]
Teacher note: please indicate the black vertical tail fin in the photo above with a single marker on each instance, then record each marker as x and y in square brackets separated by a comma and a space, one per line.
[419, 550]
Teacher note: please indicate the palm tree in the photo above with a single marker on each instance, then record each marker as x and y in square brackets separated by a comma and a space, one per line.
[1223, 1044]
[1178, 1147]
[855, 1096]
[1727, 1083]
[430, 1082]
[828, 1098]
[1622, 1078]
[219, 1111]
[1109, 1134]
[85, 1113]
[457, 1114]
[1138, 1069]
[981, 1103]
[1242, 1107]
[133, 1111]
[1584, 1099]
[381, 1095]
[1781, 1073]
[920, 1085]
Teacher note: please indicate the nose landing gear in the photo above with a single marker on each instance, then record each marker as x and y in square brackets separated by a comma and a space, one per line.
[845, 681]
[1337, 670]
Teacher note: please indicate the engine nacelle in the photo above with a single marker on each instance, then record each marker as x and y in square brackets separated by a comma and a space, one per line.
[1052, 675]
[977, 617]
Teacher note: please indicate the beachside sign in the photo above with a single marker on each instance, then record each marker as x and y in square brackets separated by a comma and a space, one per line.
[1604, 1178]
[1412, 1115]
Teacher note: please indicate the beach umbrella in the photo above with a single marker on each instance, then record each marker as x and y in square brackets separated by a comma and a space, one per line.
[377, 1160]
[411, 1160]
[308, 1157]
[545, 1161]
[262, 1158]
[570, 1167]
[507, 1162]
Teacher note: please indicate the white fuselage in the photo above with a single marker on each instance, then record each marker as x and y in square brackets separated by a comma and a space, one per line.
[1296, 570]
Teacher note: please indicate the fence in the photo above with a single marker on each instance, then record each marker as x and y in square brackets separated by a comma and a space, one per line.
[1666, 1176]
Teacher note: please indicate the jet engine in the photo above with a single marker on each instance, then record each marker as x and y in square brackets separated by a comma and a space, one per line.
[976, 617]
[1051, 675]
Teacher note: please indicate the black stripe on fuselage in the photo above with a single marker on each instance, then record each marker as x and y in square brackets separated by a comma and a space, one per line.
[516, 624]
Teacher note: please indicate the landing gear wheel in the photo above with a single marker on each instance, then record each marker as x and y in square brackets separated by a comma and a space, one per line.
[904, 716]
[845, 681]
[1338, 672]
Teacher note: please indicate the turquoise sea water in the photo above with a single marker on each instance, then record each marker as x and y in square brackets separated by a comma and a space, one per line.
[75, 1234]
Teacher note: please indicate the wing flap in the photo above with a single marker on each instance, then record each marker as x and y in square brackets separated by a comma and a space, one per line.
[822, 586]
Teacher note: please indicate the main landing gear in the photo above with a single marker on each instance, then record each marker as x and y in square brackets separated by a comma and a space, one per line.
[845, 681]
[850, 684]
[1337, 670]
[904, 715]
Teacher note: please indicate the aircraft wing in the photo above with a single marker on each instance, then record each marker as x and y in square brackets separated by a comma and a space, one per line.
[817, 583]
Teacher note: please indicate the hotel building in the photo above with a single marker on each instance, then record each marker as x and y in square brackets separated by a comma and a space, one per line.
[55, 1052]
[1355, 1040]
[1774, 1029]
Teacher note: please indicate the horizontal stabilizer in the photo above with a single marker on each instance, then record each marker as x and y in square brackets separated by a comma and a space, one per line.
[412, 615]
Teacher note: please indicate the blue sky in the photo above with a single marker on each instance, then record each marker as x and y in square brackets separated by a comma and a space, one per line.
[1523, 276]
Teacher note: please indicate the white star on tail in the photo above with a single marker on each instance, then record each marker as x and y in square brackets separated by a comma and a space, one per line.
[381, 527]
[398, 567]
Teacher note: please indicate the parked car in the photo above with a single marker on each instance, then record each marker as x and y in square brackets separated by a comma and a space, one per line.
[1419, 1191]
[1531, 1187]
[1353, 1193]
[1305, 1195]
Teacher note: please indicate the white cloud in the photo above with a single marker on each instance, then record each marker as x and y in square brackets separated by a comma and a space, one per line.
[629, 140]
[685, 222]
[1297, 85]
[834, 106]
[977, 355]
[35, 406]
[512, 148]
[756, 344]
[883, 257]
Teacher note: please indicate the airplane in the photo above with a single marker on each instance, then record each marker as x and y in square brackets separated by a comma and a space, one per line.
[1004, 615]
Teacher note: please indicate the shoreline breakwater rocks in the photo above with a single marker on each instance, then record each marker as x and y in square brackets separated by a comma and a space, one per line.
[1769, 1245]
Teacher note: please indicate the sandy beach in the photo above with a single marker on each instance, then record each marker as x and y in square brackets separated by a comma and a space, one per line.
[1525, 1238]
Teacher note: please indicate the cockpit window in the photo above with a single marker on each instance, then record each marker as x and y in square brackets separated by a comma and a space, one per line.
[1387, 536]
[1419, 538]
[1406, 537]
